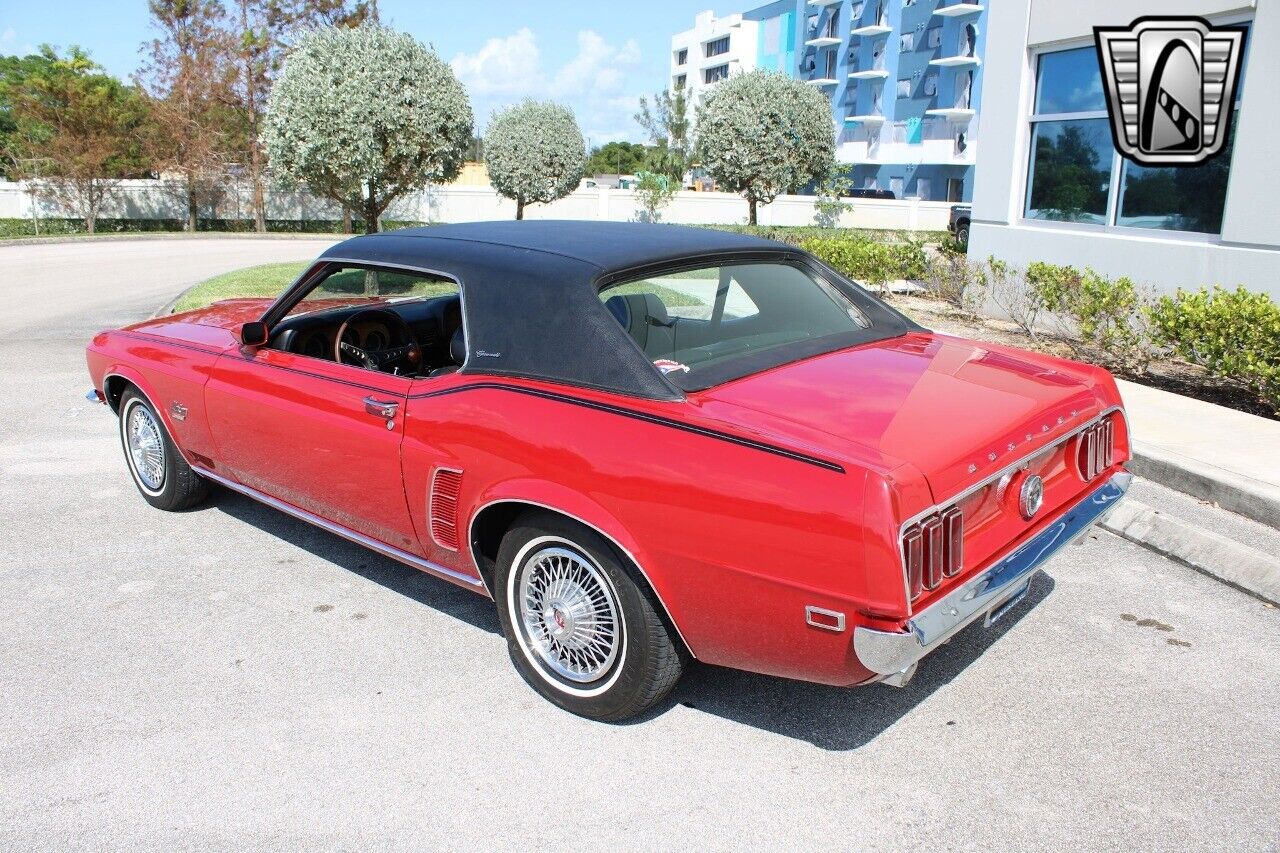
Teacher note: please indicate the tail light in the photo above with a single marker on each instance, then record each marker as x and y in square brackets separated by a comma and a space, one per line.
[1095, 449]
[933, 549]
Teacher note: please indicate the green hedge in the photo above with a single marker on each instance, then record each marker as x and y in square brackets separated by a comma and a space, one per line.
[11, 228]
[869, 261]
[1234, 334]
[795, 235]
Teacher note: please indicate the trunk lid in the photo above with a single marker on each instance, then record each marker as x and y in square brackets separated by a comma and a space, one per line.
[955, 410]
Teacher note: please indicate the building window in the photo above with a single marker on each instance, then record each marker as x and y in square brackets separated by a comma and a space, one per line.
[1070, 171]
[931, 85]
[682, 56]
[933, 37]
[904, 88]
[924, 189]
[908, 42]
[679, 81]
[715, 75]
[831, 65]
[833, 24]
[1076, 175]
[717, 47]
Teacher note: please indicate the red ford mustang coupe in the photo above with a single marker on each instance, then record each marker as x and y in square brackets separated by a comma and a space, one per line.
[648, 444]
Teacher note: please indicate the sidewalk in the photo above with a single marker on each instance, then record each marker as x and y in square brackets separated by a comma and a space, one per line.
[1213, 453]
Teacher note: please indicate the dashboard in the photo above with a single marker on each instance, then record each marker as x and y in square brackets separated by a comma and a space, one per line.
[432, 322]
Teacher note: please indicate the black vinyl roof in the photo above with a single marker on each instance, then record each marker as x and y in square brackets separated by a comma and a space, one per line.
[529, 290]
[606, 246]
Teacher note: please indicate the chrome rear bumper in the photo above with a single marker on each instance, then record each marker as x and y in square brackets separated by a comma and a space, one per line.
[893, 655]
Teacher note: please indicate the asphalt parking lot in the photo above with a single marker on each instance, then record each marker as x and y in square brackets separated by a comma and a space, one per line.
[231, 678]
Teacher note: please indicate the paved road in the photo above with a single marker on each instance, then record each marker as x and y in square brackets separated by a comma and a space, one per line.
[230, 678]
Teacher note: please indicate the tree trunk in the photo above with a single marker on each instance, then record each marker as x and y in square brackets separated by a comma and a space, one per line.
[346, 220]
[259, 195]
[519, 208]
[371, 214]
[89, 222]
[751, 218]
[193, 209]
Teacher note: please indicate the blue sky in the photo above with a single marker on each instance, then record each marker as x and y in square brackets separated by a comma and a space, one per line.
[596, 57]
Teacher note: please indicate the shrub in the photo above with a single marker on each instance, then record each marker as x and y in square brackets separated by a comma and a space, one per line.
[654, 192]
[1103, 319]
[953, 280]
[1232, 334]
[868, 261]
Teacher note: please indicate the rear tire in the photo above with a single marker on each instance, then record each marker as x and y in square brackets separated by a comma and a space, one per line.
[962, 235]
[162, 476]
[580, 628]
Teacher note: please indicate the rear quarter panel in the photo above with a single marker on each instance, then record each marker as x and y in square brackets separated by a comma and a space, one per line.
[736, 541]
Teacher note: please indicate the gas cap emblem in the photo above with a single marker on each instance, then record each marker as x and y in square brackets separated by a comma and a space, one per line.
[1031, 496]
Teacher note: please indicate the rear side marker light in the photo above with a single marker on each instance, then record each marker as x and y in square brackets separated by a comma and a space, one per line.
[820, 617]
[933, 549]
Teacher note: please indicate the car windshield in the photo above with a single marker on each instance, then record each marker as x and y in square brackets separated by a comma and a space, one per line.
[348, 286]
[708, 325]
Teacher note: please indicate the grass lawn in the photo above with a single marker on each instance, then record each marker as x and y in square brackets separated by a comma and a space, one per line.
[267, 280]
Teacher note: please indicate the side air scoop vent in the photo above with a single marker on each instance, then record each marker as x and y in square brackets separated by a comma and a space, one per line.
[442, 507]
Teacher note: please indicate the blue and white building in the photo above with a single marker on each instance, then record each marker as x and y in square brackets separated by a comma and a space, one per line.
[904, 78]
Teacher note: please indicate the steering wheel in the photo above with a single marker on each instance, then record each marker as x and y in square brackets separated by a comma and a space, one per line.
[380, 358]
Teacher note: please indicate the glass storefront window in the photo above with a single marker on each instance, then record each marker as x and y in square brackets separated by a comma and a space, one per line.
[1070, 172]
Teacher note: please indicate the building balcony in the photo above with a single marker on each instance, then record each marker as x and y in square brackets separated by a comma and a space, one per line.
[931, 142]
[956, 10]
[865, 121]
[869, 74]
[872, 30]
[823, 82]
[956, 62]
[818, 4]
[822, 41]
[955, 115]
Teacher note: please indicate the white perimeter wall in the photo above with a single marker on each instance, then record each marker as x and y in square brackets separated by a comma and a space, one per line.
[153, 200]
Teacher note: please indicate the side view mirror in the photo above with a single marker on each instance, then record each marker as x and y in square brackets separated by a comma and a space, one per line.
[254, 334]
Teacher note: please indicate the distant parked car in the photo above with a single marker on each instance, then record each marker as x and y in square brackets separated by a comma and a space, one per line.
[958, 225]
[870, 193]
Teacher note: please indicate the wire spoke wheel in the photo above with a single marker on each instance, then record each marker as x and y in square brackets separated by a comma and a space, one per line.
[146, 447]
[568, 614]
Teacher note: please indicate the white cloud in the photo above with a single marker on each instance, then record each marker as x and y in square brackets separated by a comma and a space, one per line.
[596, 82]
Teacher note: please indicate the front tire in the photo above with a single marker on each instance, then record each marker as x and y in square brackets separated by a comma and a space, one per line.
[580, 629]
[162, 476]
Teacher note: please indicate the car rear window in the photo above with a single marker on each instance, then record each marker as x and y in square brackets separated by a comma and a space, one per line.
[706, 325]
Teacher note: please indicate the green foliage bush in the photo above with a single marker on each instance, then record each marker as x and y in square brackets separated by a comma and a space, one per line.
[869, 261]
[1234, 334]
[795, 235]
[1103, 319]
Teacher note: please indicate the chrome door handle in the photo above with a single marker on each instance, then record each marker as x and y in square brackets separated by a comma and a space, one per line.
[381, 408]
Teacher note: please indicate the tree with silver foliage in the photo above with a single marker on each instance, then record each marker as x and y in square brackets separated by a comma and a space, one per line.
[534, 153]
[364, 116]
[762, 134]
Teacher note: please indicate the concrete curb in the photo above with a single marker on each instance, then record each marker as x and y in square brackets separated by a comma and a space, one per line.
[167, 308]
[1237, 565]
[166, 235]
[1244, 496]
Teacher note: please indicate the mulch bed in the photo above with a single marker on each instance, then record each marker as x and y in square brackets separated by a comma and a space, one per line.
[1167, 374]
